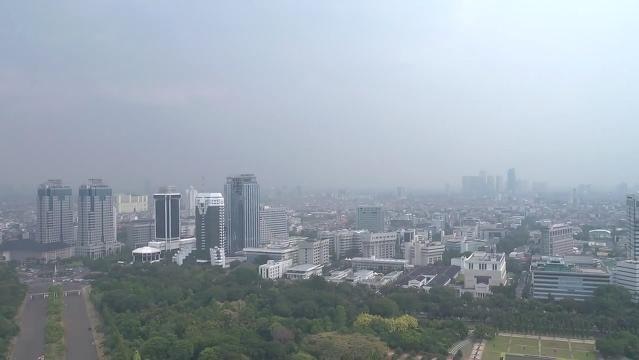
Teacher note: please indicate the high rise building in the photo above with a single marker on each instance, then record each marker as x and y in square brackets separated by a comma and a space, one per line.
[209, 224]
[370, 218]
[190, 202]
[55, 214]
[130, 203]
[511, 181]
[96, 221]
[273, 225]
[632, 209]
[557, 240]
[627, 272]
[242, 199]
[167, 214]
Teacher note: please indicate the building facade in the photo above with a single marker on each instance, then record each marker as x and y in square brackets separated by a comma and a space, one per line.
[209, 223]
[242, 195]
[313, 252]
[370, 218]
[274, 269]
[273, 226]
[96, 221]
[557, 240]
[139, 232]
[482, 270]
[167, 214]
[378, 265]
[553, 278]
[131, 203]
[380, 245]
[422, 253]
[55, 214]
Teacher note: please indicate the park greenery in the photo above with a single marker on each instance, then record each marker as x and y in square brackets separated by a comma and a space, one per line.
[11, 296]
[193, 312]
[54, 331]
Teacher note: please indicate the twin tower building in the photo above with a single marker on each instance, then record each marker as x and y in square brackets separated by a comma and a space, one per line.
[224, 224]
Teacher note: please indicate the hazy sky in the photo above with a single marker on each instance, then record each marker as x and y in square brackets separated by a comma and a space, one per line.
[318, 93]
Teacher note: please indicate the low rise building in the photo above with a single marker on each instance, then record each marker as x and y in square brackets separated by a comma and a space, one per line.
[553, 278]
[421, 253]
[276, 253]
[274, 269]
[626, 274]
[304, 271]
[481, 270]
[379, 265]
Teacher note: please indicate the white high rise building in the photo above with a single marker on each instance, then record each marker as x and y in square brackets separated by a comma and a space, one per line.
[96, 221]
[626, 273]
[55, 215]
[273, 226]
[557, 240]
[190, 201]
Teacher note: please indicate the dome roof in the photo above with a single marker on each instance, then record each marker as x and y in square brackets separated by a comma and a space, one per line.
[146, 250]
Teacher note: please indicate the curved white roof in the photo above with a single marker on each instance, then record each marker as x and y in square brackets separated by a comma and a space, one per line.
[146, 250]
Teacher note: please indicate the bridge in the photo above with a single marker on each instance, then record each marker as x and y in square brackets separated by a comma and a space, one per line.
[45, 295]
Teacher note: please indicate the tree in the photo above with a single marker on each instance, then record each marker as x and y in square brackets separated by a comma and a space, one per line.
[325, 346]
[209, 354]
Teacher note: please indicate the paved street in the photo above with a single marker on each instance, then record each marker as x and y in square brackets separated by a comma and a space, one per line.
[78, 336]
[30, 341]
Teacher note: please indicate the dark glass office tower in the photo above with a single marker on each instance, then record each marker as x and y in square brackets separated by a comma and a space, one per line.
[167, 214]
[242, 200]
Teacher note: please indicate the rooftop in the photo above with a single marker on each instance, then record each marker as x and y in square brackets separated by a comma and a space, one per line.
[485, 256]
[304, 268]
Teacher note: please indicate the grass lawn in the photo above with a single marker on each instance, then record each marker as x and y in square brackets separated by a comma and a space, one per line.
[527, 346]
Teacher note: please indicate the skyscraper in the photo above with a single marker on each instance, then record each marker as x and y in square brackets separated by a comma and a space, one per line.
[632, 207]
[190, 201]
[242, 199]
[55, 215]
[167, 214]
[273, 225]
[370, 218]
[209, 224]
[627, 272]
[96, 221]
[511, 181]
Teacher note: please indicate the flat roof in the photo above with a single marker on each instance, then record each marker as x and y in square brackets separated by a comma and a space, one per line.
[304, 268]
[269, 250]
[381, 260]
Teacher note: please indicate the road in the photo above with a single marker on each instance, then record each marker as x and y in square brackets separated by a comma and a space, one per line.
[78, 336]
[30, 341]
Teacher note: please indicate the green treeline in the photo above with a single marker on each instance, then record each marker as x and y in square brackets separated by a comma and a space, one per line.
[190, 312]
[54, 331]
[11, 296]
